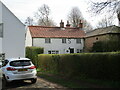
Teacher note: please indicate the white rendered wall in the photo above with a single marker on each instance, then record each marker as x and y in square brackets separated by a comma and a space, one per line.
[0, 22]
[56, 44]
[14, 35]
[28, 40]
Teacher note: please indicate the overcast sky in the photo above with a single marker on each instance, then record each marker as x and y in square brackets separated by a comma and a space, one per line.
[59, 8]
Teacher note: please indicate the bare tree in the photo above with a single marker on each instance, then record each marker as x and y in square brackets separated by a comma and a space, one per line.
[43, 16]
[75, 16]
[105, 22]
[29, 21]
[108, 6]
[86, 25]
[44, 22]
[118, 14]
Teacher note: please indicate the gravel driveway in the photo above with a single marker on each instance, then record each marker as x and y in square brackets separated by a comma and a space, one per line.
[41, 83]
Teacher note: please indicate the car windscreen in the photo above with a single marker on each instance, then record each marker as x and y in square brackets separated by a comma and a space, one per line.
[19, 63]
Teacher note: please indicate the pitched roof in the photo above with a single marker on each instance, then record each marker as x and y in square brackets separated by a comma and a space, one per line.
[55, 32]
[107, 30]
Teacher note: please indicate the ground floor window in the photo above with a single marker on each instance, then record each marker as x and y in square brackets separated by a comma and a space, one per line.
[79, 50]
[53, 52]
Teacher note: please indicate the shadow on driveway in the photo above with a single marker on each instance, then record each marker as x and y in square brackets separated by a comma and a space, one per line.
[17, 84]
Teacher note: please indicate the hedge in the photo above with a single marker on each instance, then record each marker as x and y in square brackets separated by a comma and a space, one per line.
[85, 65]
[32, 53]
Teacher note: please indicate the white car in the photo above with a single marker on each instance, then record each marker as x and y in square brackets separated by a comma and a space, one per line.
[18, 69]
[0, 69]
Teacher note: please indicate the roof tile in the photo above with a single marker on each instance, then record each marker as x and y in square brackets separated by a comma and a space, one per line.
[55, 32]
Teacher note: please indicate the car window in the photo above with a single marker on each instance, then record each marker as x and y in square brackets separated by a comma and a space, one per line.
[4, 63]
[19, 63]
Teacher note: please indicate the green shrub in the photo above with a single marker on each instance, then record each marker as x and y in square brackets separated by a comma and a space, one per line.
[106, 46]
[32, 53]
[92, 65]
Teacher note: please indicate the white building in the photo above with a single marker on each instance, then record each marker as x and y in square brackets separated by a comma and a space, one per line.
[12, 34]
[56, 40]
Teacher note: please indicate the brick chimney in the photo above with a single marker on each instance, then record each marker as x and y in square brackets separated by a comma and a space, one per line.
[80, 24]
[62, 24]
[67, 25]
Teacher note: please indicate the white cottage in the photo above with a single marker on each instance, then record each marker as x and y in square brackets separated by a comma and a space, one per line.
[12, 34]
[56, 40]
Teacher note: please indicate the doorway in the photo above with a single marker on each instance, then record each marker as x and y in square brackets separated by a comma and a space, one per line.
[71, 50]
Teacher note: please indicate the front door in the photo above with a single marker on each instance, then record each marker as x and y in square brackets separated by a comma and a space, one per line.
[71, 50]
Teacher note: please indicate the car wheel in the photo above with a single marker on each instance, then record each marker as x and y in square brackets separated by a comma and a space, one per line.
[33, 80]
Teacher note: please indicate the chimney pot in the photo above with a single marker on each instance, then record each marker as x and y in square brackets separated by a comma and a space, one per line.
[67, 25]
[62, 24]
[80, 24]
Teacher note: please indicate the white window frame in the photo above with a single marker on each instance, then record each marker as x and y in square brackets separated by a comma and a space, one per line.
[78, 50]
[78, 41]
[63, 40]
[53, 52]
[47, 40]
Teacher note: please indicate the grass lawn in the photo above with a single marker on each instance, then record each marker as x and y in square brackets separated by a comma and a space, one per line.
[79, 83]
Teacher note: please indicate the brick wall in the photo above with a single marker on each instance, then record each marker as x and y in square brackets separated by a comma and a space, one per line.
[90, 40]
